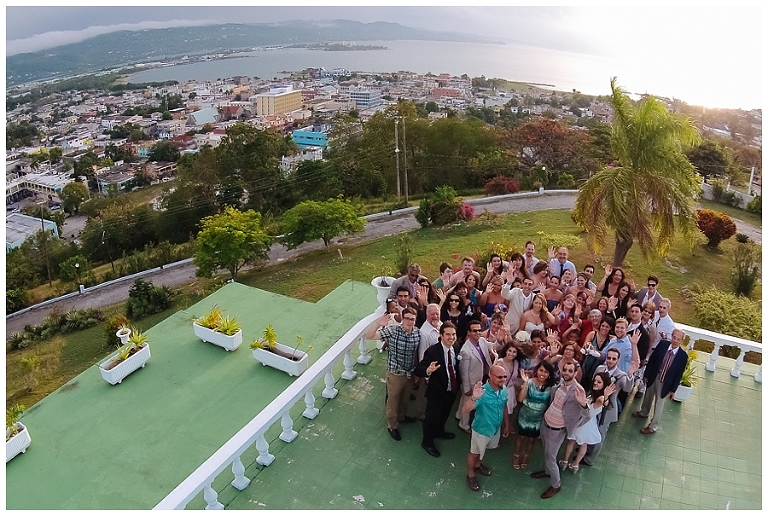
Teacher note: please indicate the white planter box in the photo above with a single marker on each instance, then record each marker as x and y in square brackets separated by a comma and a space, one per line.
[18, 443]
[292, 367]
[220, 339]
[126, 367]
[382, 293]
[683, 393]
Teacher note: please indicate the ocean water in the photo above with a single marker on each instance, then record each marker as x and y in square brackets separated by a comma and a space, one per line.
[565, 71]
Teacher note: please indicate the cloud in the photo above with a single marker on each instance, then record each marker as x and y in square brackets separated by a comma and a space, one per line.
[65, 37]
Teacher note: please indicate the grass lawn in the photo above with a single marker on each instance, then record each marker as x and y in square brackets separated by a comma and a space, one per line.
[734, 213]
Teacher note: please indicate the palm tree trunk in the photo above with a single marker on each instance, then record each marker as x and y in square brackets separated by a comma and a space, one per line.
[621, 250]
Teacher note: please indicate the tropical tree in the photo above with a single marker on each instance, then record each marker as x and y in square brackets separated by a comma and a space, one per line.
[230, 240]
[652, 182]
[311, 220]
[73, 194]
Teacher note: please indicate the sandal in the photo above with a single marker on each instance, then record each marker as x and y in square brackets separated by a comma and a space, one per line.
[472, 483]
[516, 461]
[524, 464]
[563, 465]
[483, 470]
[574, 468]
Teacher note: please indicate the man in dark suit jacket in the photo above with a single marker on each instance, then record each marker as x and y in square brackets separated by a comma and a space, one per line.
[440, 368]
[662, 376]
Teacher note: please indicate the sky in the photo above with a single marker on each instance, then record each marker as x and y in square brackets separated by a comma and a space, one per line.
[726, 39]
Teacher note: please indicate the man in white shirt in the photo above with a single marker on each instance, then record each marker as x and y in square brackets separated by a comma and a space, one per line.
[467, 268]
[520, 300]
[664, 323]
[528, 259]
[429, 336]
[558, 262]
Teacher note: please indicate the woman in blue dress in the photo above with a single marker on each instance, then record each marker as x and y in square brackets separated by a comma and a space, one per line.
[534, 396]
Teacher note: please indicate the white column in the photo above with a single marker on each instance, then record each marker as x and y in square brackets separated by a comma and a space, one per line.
[265, 458]
[241, 481]
[288, 434]
[736, 371]
[211, 498]
[349, 373]
[365, 356]
[329, 392]
[311, 411]
[713, 358]
[759, 375]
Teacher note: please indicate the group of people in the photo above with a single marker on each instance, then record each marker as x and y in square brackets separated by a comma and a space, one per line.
[530, 348]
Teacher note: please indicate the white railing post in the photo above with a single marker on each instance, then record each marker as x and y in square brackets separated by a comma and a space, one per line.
[265, 458]
[365, 354]
[713, 357]
[759, 375]
[349, 372]
[736, 371]
[241, 481]
[330, 391]
[288, 434]
[211, 498]
[311, 411]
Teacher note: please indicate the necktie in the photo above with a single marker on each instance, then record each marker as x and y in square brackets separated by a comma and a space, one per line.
[486, 367]
[665, 365]
[562, 269]
[451, 373]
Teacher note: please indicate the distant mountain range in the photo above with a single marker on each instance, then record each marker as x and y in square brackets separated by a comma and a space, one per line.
[116, 49]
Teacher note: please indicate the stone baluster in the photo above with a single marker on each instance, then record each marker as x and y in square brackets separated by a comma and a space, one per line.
[330, 391]
[365, 354]
[241, 481]
[736, 371]
[349, 373]
[713, 358]
[265, 458]
[311, 411]
[211, 498]
[288, 434]
[759, 375]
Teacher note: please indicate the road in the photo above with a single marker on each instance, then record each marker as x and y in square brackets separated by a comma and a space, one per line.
[377, 228]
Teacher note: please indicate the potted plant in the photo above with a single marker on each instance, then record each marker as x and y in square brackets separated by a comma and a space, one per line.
[129, 357]
[223, 331]
[122, 333]
[271, 353]
[17, 437]
[383, 284]
[689, 378]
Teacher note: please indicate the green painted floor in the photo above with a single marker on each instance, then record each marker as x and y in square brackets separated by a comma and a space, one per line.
[96, 446]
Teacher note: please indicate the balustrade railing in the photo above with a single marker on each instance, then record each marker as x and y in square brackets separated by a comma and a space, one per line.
[278, 410]
[725, 340]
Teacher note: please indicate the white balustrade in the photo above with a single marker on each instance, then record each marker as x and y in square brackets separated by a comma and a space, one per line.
[365, 353]
[349, 373]
[725, 340]
[288, 434]
[253, 432]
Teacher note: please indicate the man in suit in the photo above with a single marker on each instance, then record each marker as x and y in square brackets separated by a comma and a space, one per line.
[662, 376]
[520, 300]
[610, 413]
[440, 368]
[565, 412]
[410, 280]
[649, 293]
[475, 362]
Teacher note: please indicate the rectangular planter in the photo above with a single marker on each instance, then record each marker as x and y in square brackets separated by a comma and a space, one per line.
[18, 443]
[126, 367]
[293, 368]
[221, 340]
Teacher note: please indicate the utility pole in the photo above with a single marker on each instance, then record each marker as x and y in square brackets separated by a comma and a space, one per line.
[397, 161]
[405, 163]
[45, 246]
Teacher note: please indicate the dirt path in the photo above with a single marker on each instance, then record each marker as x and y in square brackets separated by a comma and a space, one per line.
[376, 228]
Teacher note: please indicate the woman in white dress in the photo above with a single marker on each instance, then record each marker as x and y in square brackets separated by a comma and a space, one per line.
[537, 317]
[588, 433]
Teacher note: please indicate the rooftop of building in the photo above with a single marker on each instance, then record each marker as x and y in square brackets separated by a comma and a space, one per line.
[97, 446]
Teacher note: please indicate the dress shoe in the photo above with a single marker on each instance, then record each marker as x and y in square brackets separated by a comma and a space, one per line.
[639, 395]
[409, 419]
[431, 450]
[638, 414]
[447, 435]
[472, 483]
[539, 474]
[550, 492]
[395, 433]
[647, 431]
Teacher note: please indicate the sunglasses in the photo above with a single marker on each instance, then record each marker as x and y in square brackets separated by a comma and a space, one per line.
[651, 285]
[454, 300]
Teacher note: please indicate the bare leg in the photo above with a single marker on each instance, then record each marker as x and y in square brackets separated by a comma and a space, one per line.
[473, 462]
[580, 455]
[569, 450]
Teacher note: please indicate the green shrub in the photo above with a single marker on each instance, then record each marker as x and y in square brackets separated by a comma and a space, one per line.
[16, 299]
[547, 240]
[501, 185]
[404, 256]
[756, 205]
[566, 180]
[145, 299]
[112, 325]
[729, 314]
[730, 199]
[742, 238]
[440, 208]
[715, 226]
[746, 269]
[718, 187]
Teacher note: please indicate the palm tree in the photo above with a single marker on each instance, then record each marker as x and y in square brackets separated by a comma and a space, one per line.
[652, 182]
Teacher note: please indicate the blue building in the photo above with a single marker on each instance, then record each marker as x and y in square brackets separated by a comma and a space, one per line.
[315, 135]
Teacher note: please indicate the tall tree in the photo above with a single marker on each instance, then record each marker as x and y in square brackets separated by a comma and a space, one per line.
[652, 183]
[73, 194]
[311, 220]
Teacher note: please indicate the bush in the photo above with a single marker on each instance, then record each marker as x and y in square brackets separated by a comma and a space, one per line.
[501, 185]
[112, 325]
[546, 240]
[404, 256]
[742, 238]
[730, 199]
[718, 187]
[756, 205]
[729, 314]
[746, 269]
[715, 226]
[441, 207]
[145, 299]
[566, 180]
[16, 299]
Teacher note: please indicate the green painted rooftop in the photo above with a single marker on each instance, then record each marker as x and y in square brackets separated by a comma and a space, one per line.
[97, 446]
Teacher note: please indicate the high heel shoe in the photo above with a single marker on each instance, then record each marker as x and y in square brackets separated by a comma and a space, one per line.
[574, 468]
[516, 461]
[563, 465]
[524, 463]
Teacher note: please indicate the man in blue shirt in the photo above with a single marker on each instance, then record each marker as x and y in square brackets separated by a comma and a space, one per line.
[491, 420]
